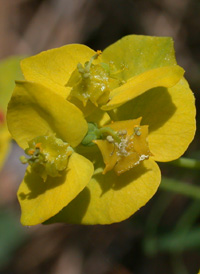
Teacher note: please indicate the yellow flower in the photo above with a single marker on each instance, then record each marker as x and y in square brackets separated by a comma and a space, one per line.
[138, 107]
[45, 126]
[128, 149]
[9, 71]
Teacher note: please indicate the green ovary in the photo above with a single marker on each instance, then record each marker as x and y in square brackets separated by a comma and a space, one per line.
[48, 155]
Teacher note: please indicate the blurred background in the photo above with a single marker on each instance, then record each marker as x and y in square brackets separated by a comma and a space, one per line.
[164, 236]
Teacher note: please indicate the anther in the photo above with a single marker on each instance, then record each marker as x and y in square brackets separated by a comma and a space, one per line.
[99, 52]
[38, 145]
[110, 139]
[137, 131]
[31, 151]
[122, 132]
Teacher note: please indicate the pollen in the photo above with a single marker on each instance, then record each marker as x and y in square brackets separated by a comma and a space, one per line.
[99, 52]
[31, 151]
[122, 132]
[38, 145]
[137, 130]
[110, 139]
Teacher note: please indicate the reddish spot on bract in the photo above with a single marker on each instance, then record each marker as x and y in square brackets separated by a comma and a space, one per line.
[2, 117]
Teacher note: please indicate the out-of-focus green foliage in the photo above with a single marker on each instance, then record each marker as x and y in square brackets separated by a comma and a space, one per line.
[11, 235]
[9, 72]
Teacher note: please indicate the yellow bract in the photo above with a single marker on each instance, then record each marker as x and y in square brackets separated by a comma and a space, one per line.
[43, 112]
[75, 96]
[41, 200]
[170, 114]
[54, 67]
[129, 151]
[165, 77]
[110, 198]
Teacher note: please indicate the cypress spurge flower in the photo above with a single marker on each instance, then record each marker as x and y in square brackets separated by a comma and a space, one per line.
[125, 147]
[48, 156]
[48, 128]
[133, 107]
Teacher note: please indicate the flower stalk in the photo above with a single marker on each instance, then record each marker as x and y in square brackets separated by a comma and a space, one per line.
[186, 163]
[180, 187]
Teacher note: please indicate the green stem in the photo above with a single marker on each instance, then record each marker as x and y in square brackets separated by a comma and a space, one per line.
[180, 187]
[157, 211]
[186, 163]
[188, 218]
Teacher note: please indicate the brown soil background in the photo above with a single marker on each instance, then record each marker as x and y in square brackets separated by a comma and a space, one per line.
[30, 26]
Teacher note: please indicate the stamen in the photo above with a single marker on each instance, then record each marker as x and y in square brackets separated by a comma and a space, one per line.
[137, 131]
[31, 151]
[122, 147]
[48, 156]
[143, 157]
[128, 150]
[122, 132]
[99, 52]
[110, 139]
[38, 145]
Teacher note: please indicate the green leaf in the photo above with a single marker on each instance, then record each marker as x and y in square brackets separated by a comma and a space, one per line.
[11, 235]
[9, 72]
[173, 242]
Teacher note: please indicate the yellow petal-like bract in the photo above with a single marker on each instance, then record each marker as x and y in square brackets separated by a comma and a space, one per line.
[117, 112]
[49, 68]
[41, 200]
[36, 110]
[110, 198]
[170, 114]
